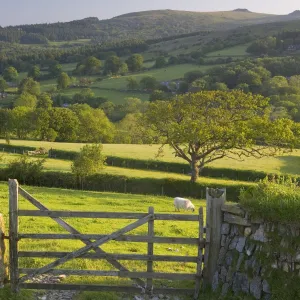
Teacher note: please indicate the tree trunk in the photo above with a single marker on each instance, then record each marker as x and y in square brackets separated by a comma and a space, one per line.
[195, 170]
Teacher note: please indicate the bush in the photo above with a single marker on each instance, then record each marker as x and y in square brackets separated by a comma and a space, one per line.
[275, 200]
[25, 169]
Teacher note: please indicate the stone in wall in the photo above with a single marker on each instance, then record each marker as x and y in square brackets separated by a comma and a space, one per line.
[243, 240]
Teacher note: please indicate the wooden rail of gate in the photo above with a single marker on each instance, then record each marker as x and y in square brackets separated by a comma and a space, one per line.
[94, 241]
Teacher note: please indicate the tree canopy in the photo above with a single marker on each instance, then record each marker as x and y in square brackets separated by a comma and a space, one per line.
[207, 126]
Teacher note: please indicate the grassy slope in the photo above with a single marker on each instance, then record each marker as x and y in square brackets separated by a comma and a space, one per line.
[283, 164]
[114, 88]
[239, 50]
[59, 199]
[65, 166]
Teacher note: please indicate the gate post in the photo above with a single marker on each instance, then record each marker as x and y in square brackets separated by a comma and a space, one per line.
[3, 269]
[149, 284]
[13, 234]
[215, 198]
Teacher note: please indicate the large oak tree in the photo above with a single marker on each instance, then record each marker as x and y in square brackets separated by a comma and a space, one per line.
[207, 126]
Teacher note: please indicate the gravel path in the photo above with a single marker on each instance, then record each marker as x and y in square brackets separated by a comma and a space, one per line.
[52, 295]
[70, 295]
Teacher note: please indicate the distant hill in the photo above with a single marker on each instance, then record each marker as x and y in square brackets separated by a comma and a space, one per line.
[144, 25]
[295, 13]
[242, 10]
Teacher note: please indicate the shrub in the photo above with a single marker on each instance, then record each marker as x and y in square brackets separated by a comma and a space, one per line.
[25, 169]
[274, 200]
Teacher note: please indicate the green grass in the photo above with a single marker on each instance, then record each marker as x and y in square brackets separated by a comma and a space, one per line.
[287, 164]
[59, 199]
[164, 74]
[63, 44]
[65, 166]
[239, 50]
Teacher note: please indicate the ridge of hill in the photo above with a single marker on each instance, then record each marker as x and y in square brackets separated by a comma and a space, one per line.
[143, 25]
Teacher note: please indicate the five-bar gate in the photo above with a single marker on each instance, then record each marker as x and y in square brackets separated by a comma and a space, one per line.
[21, 277]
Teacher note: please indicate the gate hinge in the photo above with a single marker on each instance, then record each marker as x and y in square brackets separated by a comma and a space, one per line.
[4, 237]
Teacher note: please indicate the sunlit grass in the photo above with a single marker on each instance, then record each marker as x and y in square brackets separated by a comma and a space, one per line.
[60, 199]
[288, 163]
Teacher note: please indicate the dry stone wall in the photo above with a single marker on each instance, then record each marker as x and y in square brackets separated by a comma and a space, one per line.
[251, 250]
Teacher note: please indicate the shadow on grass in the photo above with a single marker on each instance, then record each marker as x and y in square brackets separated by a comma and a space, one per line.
[290, 165]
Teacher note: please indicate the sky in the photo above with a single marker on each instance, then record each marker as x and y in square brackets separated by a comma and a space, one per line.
[16, 12]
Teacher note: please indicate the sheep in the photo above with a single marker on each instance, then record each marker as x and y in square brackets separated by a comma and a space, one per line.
[183, 203]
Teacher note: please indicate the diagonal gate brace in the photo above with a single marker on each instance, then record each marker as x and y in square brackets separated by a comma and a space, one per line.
[72, 230]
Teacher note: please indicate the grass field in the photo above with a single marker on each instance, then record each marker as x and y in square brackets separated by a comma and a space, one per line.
[65, 166]
[164, 74]
[239, 50]
[59, 199]
[288, 163]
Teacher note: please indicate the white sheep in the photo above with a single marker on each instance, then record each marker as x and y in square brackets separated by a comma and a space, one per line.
[186, 204]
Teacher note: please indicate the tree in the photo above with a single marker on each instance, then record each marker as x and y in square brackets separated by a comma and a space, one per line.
[63, 81]
[55, 70]
[132, 83]
[83, 96]
[207, 126]
[94, 125]
[89, 66]
[42, 122]
[128, 131]
[148, 82]
[89, 161]
[135, 62]
[159, 95]
[112, 65]
[3, 85]
[28, 85]
[44, 101]
[27, 100]
[34, 72]
[191, 76]
[22, 121]
[5, 123]
[10, 74]
[92, 65]
[65, 122]
[251, 78]
[219, 86]
[123, 69]
[132, 105]
[160, 62]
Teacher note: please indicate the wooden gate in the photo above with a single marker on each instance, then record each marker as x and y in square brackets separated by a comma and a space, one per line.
[21, 277]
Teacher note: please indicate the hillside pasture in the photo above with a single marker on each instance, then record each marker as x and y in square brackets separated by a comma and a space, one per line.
[236, 51]
[287, 163]
[163, 74]
[58, 165]
[59, 199]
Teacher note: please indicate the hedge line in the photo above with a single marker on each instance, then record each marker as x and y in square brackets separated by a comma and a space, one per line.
[131, 163]
[15, 149]
[172, 167]
[122, 184]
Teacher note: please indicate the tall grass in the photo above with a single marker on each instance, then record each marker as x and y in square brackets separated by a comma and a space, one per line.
[274, 201]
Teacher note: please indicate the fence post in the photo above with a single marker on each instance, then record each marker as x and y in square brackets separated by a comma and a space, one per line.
[215, 198]
[13, 234]
[149, 285]
[200, 255]
[3, 271]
